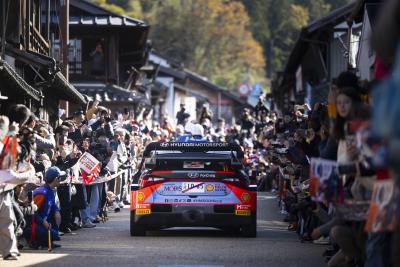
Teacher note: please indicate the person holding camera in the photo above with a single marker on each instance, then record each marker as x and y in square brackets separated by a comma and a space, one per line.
[68, 157]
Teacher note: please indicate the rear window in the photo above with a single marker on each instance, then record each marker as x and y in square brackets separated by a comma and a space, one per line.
[194, 161]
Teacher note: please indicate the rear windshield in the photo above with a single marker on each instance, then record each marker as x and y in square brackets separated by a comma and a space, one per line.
[195, 161]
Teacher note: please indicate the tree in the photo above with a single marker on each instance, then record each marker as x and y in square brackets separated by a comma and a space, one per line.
[276, 23]
[210, 37]
[213, 38]
[316, 8]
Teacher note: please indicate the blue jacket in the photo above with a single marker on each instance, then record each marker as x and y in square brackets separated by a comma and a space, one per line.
[49, 205]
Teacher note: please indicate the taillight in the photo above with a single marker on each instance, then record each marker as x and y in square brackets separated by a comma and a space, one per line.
[147, 181]
[236, 182]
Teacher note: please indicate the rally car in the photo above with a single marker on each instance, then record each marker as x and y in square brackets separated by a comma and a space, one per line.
[190, 184]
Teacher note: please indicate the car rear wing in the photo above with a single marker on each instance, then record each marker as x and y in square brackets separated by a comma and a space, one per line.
[193, 147]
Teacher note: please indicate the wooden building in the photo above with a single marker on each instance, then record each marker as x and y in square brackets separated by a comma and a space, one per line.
[336, 42]
[28, 72]
[320, 54]
[106, 50]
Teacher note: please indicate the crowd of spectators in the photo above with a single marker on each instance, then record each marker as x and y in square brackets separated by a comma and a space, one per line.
[43, 192]
[349, 135]
[45, 197]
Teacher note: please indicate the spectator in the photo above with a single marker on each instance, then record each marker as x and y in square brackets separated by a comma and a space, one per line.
[180, 115]
[47, 218]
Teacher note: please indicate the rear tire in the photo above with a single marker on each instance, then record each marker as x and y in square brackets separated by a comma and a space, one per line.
[136, 230]
[250, 230]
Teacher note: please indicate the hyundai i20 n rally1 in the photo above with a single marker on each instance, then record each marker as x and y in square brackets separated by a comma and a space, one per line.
[193, 184]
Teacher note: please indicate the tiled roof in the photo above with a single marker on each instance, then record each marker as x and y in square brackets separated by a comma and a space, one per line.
[105, 20]
[12, 80]
[109, 93]
[66, 89]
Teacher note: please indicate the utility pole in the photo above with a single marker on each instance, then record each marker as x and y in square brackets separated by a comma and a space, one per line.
[64, 40]
[3, 32]
[48, 21]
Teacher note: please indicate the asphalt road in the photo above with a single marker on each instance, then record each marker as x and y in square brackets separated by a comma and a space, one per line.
[110, 244]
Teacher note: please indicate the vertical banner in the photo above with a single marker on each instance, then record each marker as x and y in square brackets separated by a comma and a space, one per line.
[325, 184]
[383, 207]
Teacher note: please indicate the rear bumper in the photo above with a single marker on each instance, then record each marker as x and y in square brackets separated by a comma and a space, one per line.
[192, 217]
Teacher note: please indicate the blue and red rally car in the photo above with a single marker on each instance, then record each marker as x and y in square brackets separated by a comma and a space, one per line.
[187, 184]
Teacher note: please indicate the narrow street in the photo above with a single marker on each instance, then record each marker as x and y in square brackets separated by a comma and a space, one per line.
[110, 244]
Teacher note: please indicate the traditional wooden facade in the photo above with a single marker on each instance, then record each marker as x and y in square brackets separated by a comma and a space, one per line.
[28, 73]
[320, 54]
[106, 51]
[336, 42]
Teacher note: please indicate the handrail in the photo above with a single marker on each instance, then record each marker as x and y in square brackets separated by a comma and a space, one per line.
[38, 43]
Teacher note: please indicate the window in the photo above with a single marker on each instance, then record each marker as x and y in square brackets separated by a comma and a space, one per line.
[74, 55]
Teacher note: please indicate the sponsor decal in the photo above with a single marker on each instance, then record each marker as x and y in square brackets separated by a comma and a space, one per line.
[207, 175]
[142, 206]
[201, 175]
[140, 196]
[219, 188]
[192, 187]
[210, 188]
[193, 175]
[143, 211]
[183, 188]
[245, 197]
[200, 200]
[171, 188]
[243, 207]
[243, 212]
[194, 145]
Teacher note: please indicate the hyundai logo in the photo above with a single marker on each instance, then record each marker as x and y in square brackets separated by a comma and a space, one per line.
[164, 144]
[193, 175]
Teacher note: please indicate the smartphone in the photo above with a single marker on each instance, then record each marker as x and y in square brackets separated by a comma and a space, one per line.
[351, 140]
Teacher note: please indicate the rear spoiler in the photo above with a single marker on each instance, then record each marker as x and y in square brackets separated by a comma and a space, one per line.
[193, 147]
